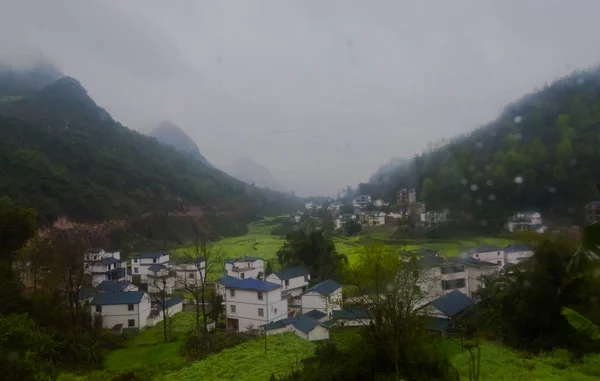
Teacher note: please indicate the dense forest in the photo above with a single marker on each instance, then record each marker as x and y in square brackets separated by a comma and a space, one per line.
[64, 156]
[540, 153]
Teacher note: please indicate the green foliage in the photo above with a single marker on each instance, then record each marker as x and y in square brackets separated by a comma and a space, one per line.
[26, 352]
[314, 251]
[63, 155]
[353, 227]
[198, 345]
[549, 139]
[581, 323]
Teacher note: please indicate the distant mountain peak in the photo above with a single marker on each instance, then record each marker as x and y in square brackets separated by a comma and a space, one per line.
[250, 172]
[22, 80]
[171, 134]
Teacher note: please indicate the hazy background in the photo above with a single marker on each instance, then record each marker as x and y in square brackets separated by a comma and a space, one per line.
[320, 92]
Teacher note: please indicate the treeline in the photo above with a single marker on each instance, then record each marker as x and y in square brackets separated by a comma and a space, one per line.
[539, 154]
[64, 156]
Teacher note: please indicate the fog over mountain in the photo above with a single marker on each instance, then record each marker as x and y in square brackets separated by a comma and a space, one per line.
[321, 92]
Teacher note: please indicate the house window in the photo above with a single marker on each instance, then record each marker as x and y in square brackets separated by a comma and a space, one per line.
[191, 276]
[232, 308]
[287, 282]
[498, 253]
[477, 255]
[242, 276]
[136, 270]
[261, 312]
[153, 260]
[130, 307]
[260, 296]
[131, 323]
[98, 309]
[232, 293]
[134, 260]
[275, 310]
[453, 284]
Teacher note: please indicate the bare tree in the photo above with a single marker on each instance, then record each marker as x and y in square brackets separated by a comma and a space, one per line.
[202, 259]
[32, 262]
[160, 289]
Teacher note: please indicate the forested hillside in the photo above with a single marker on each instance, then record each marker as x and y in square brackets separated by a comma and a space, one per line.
[541, 153]
[63, 155]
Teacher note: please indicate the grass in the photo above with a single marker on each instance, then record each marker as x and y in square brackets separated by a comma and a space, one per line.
[248, 361]
[500, 363]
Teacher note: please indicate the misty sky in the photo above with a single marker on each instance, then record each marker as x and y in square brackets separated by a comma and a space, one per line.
[320, 92]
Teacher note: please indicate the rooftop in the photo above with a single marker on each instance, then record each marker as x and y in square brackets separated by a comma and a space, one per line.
[326, 287]
[516, 247]
[113, 285]
[452, 303]
[252, 284]
[110, 261]
[225, 280]
[157, 254]
[315, 314]
[156, 267]
[485, 249]
[171, 302]
[245, 258]
[305, 324]
[360, 313]
[293, 272]
[114, 298]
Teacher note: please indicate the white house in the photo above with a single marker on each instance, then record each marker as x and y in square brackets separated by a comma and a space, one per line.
[293, 282]
[475, 269]
[303, 326]
[160, 278]
[251, 303]
[222, 283]
[351, 318]
[526, 222]
[361, 201]
[172, 305]
[189, 273]
[342, 219]
[104, 265]
[121, 309]
[432, 218]
[516, 253]
[488, 253]
[245, 267]
[116, 286]
[325, 297]
[141, 262]
[443, 310]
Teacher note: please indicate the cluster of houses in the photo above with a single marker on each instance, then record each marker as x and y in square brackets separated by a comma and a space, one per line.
[121, 291]
[281, 302]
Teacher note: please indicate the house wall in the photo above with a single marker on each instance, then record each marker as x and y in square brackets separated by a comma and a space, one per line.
[295, 287]
[156, 285]
[315, 301]
[170, 312]
[141, 264]
[183, 272]
[247, 304]
[491, 256]
[258, 267]
[289, 328]
[353, 322]
[473, 274]
[517, 256]
[318, 333]
[119, 314]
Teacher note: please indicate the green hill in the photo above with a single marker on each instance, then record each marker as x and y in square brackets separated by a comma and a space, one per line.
[540, 153]
[169, 133]
[63, 155]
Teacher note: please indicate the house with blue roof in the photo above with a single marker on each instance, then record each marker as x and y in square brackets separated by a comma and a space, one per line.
[294, 281]
[116, 286]
[251, 303]
[325, 297]
[303, 326]
[121, 309]
[445, 310]
[140, 264]
[245, 267]
[104, 265]
[530, 221]
[517, 252]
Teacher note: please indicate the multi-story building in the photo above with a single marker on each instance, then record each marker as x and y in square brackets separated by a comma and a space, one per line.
[121, 309]
[160, 279]
[189, 273]
[361, 201]
[104, 265]
[251, 303]
[488, 253]
[516, 253]
[526, 222]
[325, 297]
[293, 281]
[141, 263]
[245, 267]
[406, 197]
[433, 219]
[592, 212]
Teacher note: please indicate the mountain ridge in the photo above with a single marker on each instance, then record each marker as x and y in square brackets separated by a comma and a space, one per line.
[171, 134]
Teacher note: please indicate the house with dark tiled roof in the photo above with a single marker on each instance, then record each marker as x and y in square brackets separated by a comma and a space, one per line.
[350, 318]
[141, 263]
[303, 326]
[129, 309]
[445, 310]
[104, 265]
[293, 281]
[160, 278]
[251, 303]
[116, 286]
[325, 297]
[245, 267]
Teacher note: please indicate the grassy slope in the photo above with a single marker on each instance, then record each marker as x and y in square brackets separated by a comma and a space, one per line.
[248, 361]
[499, 363]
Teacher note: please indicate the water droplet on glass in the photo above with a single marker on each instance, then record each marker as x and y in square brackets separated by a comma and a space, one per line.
[491, 197]
[580, 81]
[479, 201]
[571, 210]
[463, 181]
[552, 189]
[489, 183]
[518, 119]
[474, 187]
[518, 136]
[519, 180]
[483, 222]
[479, 145]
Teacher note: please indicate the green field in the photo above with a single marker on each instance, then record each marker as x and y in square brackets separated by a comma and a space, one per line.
[248, 361]
[499, 363]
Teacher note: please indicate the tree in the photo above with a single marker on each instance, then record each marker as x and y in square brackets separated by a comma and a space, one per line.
[160, 291]
[353, 227]
[327, 225]
[32, 262]
[204, 258]
[426, 189]
[314, 251]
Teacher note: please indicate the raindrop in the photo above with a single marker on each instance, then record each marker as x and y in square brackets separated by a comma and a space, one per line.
[479, 145]
[491, 197]
[474, 187]
[463, 181]
[519, 180]
[552, 190]
[479, 201]
[518, 119]
[518, 136]
[483, 222]
[489, 183]
[571, 211]
[580, 81]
